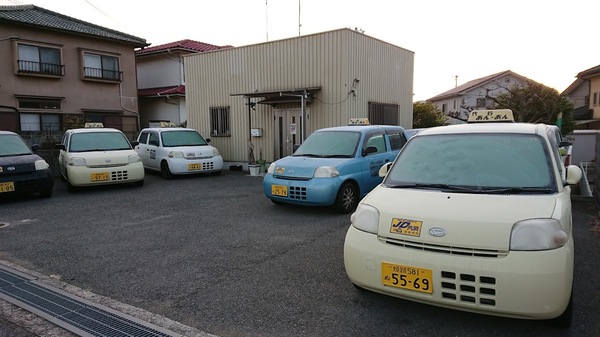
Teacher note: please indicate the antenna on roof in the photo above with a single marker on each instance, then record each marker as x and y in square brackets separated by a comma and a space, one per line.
[267, 19]
[455, 81]
[299, 24]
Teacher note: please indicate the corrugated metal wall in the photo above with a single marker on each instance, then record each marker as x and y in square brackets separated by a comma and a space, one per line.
[330, 60]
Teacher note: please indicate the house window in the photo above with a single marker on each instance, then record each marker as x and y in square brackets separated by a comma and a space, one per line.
[101, 67]
[40, 122]
[219, 121]
[39, 104]
[595, 98]
[39, 60]
[383, 114]
[444, 107]
[481, 102]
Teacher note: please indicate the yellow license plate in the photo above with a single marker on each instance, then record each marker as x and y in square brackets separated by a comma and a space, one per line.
[100, 176]
[194, 167]
[279, 190]
[407, 277]
[7, 187]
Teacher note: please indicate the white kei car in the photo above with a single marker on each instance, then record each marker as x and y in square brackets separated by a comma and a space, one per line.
[98, 156]
[474, 217]
[176, 151]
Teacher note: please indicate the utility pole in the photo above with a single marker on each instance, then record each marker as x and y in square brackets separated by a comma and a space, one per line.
[455, 81]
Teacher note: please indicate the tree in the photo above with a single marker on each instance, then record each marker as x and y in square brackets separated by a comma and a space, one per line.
[426, 115]
[536, 103]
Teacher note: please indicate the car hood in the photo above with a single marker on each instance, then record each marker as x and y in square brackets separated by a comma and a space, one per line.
[478, 221]
[105, 158]
[18, 164]
[304, 167]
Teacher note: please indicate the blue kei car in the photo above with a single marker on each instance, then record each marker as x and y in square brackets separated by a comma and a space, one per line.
[334, 166]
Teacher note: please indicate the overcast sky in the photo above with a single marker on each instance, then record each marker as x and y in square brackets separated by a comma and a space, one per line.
[548, 41]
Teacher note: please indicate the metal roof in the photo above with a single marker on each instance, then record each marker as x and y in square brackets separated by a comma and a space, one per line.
[34, 16]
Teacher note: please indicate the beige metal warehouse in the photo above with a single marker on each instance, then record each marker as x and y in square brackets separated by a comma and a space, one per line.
[265, 92]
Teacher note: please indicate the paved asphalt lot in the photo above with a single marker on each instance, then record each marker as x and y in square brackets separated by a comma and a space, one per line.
[212, 253]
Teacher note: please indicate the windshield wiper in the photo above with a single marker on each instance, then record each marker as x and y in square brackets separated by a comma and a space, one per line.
[437, 186]
[519, 190]
[312, 155]
[337, 156]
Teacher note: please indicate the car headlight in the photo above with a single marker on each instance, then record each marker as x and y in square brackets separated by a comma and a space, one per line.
[215, 152]
[365, 218]
[41, 165]
[326, 172]
[175, 154]
[537, 234]
[271, 168]
[76, 161]
[134, 158]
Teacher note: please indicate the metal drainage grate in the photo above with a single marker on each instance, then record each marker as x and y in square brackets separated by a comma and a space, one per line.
[73, 314]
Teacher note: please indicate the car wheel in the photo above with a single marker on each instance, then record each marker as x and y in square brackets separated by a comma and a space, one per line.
[347, 198]
[139, 183]
[70, 188]
[566, 318]
[164, 170]
[46, 193]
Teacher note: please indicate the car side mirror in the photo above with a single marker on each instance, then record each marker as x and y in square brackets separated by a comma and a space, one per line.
[384, 170]
[369, 149]
[135, 143]
[35, 147]
[296, 147]
[574, 174]
[564, 143]
[60, 147]
[207, 140]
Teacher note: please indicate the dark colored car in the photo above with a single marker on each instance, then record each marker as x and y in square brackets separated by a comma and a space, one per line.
[21, 170]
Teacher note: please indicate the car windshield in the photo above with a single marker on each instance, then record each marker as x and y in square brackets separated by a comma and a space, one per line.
[330, 144]
[98, 141]
[13, 145]
[182, 138]
[488, 163]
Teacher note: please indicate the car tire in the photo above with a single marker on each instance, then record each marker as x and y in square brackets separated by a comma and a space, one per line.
[70, 188]
[164, 170]
[46, 193]
[347, 198]
[565, 319]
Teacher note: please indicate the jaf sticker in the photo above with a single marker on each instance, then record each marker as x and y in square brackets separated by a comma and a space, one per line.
[279, 170]
[406, 227]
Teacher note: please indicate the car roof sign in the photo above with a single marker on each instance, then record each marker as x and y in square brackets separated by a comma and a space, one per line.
[359, 121]
[493, 116]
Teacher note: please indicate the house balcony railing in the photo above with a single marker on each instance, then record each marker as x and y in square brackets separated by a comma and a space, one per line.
[32, 67]
[103, 74]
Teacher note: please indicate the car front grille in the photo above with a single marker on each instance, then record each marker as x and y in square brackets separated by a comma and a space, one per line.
[467, 288]
[208, 166]
[297, 193]
[118, 175]
[442, 249]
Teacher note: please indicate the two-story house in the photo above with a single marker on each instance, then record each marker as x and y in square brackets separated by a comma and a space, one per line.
[584, 92]
[476, 94]
[59, 72]
[161, 81]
